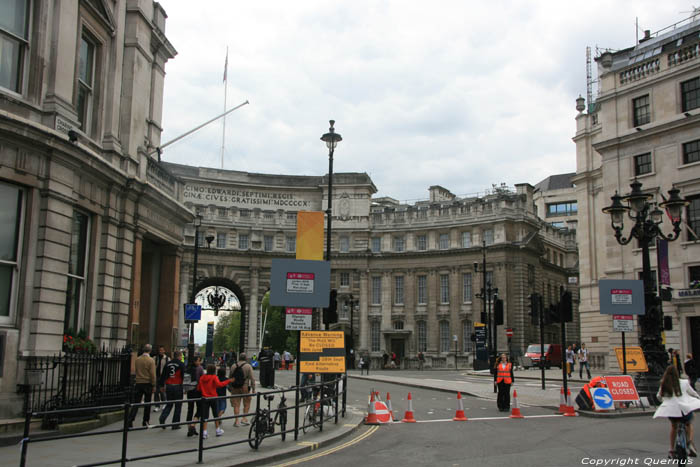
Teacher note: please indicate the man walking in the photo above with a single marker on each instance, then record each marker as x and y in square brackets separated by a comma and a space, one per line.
[171, 386]
[243, 383]
[277, 359]
[161, 359]
[569, 361]
[421, 360]
[145, 384]
[287, 359]
[583, 361]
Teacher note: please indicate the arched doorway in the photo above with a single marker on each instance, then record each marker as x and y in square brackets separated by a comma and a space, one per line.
[223, 295]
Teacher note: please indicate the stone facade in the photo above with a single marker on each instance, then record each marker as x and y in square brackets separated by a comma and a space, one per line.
[644, 124]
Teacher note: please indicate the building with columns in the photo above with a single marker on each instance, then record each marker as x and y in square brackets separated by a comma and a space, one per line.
[644, 125]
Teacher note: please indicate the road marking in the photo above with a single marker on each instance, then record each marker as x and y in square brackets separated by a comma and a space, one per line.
[364, 435]
[487, 418]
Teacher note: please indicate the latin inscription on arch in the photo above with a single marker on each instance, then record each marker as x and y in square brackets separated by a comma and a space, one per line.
[246, 198]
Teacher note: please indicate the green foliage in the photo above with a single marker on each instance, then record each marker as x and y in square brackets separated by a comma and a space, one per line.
[276, 337]
[227, 331]
[78, 343]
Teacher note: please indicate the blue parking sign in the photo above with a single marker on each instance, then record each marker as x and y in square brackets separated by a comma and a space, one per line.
[193, 312]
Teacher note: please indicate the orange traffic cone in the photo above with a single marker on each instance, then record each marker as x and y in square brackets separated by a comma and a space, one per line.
[459, 415]
[562, 402]
[371, 413]
[515, 411]
[388, 405]
[570, 412]
[408, 417]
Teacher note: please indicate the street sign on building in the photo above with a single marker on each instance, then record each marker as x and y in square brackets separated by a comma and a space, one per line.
[635, 359]
[298, 319]
[623, 323]
[622, 388]
[602, 398]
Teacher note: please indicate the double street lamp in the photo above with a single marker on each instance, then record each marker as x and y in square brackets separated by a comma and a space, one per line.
[647, 219]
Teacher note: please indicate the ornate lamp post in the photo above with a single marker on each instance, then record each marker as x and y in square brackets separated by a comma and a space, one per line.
[647, 218]
[331, 139]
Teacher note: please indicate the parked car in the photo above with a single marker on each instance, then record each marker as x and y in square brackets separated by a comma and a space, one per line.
[552, 355]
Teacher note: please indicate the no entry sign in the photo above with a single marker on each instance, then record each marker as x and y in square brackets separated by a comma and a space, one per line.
[622, 388]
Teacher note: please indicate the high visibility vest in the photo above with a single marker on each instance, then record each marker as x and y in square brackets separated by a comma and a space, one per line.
[594, 383]
[504, 373]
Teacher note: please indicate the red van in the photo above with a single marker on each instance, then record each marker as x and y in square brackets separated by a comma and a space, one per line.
[552, 355]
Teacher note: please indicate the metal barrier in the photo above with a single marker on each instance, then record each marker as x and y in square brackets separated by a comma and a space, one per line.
[330, 394]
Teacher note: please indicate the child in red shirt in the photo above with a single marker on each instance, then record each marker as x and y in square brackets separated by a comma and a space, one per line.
[207, 386]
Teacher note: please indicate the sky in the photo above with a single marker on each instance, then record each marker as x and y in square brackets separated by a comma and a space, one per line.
[461, 94]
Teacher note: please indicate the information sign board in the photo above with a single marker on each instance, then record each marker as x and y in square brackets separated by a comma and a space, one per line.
[322, 352]
[621, 296]
[622, 388]
[300, 283]
[635, 359]
[623, 323]
[298, 319]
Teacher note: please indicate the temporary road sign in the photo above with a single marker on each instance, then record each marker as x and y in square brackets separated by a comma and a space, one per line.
[622, 388]
[623, 323]
[322, 352]
[382, 411]
[602, 398]
[635, 359]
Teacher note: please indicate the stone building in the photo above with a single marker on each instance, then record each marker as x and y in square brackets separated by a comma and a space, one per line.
[644, 125]
[408, 268]
[92, 227]
[555, 198]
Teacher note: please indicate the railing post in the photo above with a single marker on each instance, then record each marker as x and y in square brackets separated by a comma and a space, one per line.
[202, 418]
[125, 432]
[345, 392]
[296, 413]
[25, 435]
[321, 402]
[335, 399]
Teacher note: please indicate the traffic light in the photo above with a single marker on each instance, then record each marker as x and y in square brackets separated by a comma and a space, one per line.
[534, 310]
[498, 311]
[566, 308]
[484, 318]
[330, 314]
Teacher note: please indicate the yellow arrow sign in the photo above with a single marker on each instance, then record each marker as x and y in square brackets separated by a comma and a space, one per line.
[635, 359]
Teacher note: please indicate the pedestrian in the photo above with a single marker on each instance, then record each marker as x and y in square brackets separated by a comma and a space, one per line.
[195, 372]
[421, 360]
[504, 378]
[678, 361]
[679, 403]
[287, 360]
[221, 391]
[569, 361]
[145, 385]
[171, 385]
[243, 382]
[574, 349]
[583, 361]
[161, 359]
[276, 359]
[691, 369]
[362, 365]
[207, 386]
[385, 358]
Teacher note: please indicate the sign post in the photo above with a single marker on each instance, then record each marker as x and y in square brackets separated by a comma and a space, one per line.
[622, 324]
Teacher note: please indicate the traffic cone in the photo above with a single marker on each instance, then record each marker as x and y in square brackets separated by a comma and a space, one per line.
[459, 415]
[388, 405]
[562, 402]
[371, 413]
[570, 412]
[515, 411]
[408, 416]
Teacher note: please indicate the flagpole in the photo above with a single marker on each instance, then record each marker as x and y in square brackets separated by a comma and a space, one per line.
[223, 135]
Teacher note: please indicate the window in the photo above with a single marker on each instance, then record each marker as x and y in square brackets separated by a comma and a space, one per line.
[558, 225]
[376, 290]
[10, 223]
[444, 288]
[245, 212]
[292, 216]
[86, 82]
[398, 325]
[243, 242]
[444, 241]
[344, 244]
[568, 208]
[642, 164]
[345, 279]
[290, 243]
[399, 243]
[376, 244]
[223, 212]
[488, 236]
[77, 272]
[693, 218]
[466, 239]
[374, 333]
[14, 35]
[691, 152]
[422, 242]
[398, 290]
[694, 276]
[422, 334]
[444, 336]
[467, 287]
[268, 215]
[268, 242]
[220, 240]
[641, 109]
[690, 94]
[467, 331]
[422, 290]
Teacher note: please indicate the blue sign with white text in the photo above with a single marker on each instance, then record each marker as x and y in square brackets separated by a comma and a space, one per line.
[193, 312]
[602, 398]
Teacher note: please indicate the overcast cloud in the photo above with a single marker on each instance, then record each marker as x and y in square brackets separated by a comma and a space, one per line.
[454, 93]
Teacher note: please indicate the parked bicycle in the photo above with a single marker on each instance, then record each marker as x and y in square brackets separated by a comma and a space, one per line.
[321, 406]
[264, 423]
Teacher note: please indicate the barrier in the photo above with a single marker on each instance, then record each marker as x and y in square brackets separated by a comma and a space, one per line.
[371, 418]
[562, 402]
[408, 416]
[570, 411]
[459, 415]
[515, 411]
[388, 403]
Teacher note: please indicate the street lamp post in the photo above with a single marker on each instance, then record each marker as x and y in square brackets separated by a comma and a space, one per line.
[487, 292]
[351, 303]
[190, 345]
[647, 219]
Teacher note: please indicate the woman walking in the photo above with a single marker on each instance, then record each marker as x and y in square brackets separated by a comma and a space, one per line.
[679, 402]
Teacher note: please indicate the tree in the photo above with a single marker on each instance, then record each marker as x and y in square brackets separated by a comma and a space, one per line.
[276, 336]
[226, 331]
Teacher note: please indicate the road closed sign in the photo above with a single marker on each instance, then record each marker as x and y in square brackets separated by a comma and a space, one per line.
[322, 352]
[622, 388]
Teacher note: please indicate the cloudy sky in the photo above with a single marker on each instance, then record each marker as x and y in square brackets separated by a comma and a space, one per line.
[461, 94]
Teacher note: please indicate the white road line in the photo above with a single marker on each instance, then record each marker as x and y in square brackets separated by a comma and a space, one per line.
[486, 418]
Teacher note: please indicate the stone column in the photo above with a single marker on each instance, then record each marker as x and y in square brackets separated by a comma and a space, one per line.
[252, 344]
[364, 312]
[387, 285]
[167, 325]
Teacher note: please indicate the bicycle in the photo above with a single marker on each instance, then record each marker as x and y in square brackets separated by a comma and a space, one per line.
[317, 409]
[264, 423]
[680, 451]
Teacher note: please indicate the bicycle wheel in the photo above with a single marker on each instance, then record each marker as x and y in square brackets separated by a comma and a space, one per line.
[681, 451]
[281, 420]
[257, 431]
[310, 417]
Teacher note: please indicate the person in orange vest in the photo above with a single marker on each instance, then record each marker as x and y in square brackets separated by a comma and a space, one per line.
[504, 378]
[597, 382]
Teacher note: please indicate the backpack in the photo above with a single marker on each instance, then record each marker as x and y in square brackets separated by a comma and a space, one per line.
[238, 376]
